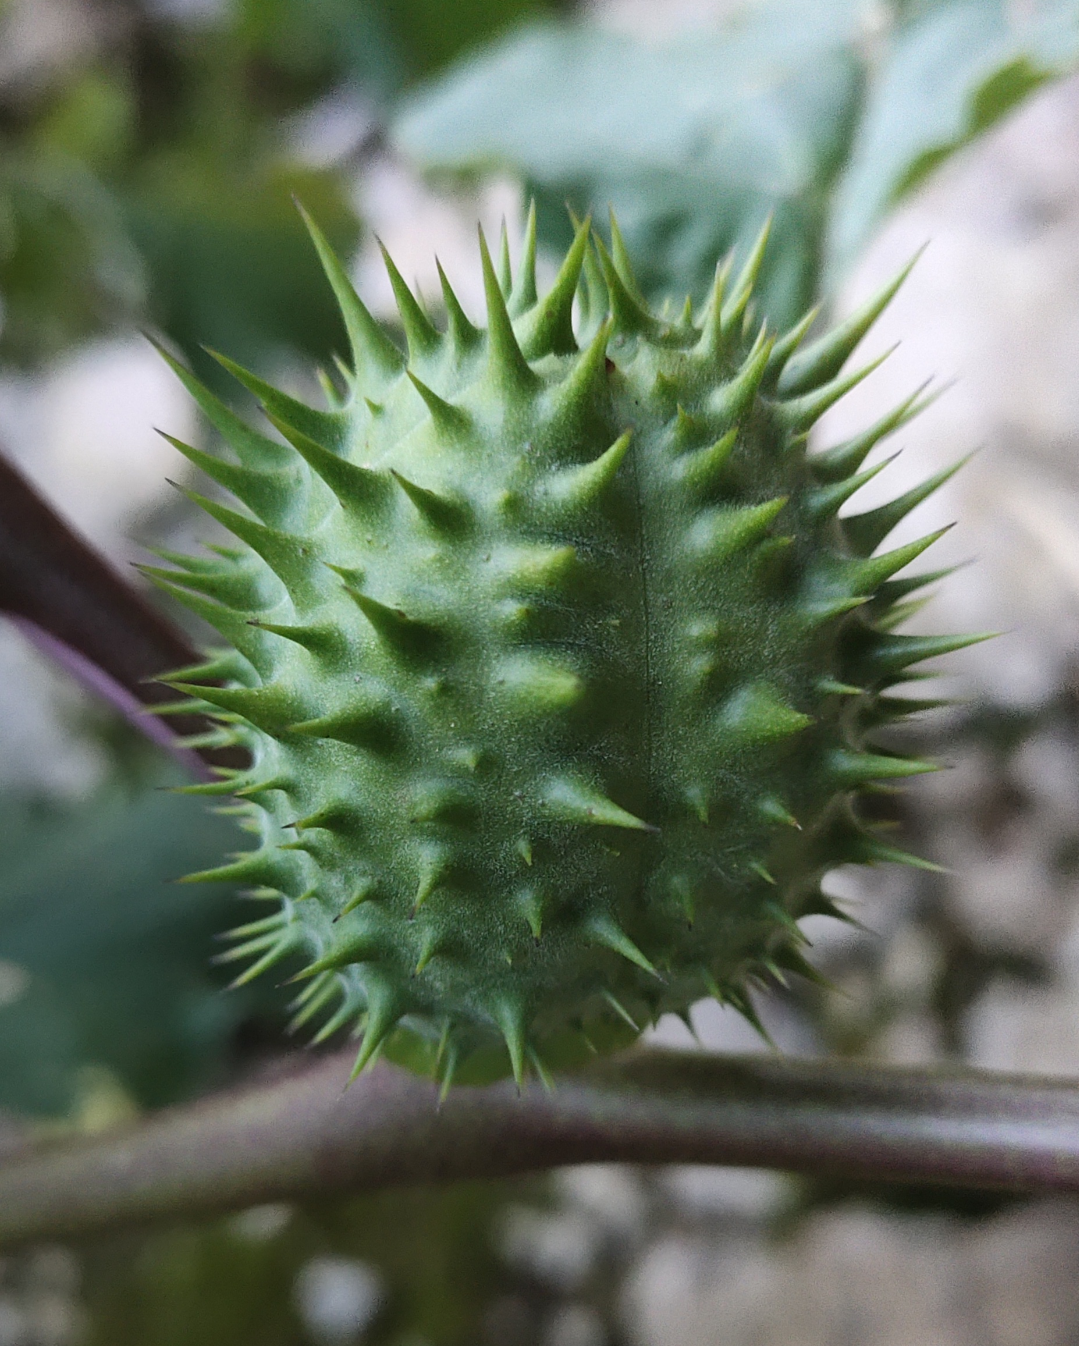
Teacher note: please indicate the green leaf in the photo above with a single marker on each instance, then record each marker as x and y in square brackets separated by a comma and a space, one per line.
[950, 73]
[104, 961]
[696, 139]
[693, 141]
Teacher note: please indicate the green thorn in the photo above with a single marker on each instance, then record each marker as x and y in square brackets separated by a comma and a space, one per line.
[576, 489]
[364, 892]
[382, 1016]
[463, 334]
[532, 904]
[868, 576]
[799, 414]
[420, 332]
[428, 950]
[324, 640]
[451, 421]
[620, 1010]
[733, 399]
[702, 471]
[366, 724]
[586, 382]
[508, 367]
[523, 295]
[327, 428]
[548, 328]
[510, 1018]
[283, 552]
[785, 347]
[746, 283]
[758, 714]
[865, 532]
[774, 811]
[539, 685]
[406, 637]
[824, 501]
[697, 799]
[253, 449]
[260, 490]
[720, 533]
[712, 342]
[263, 965]
[603, 929]
[854, 768]
[574, 801]
[443, 513]
[836, 463]
[822, 361]
[325, 991]
[891, 654]
[372, 350]
[630, 313]
[359, 491]
[505, 270]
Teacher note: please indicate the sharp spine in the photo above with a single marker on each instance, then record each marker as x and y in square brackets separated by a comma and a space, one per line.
[574, 801]
[523, 295]
[834, 464]
[358, 490]
[382, 1016]
[420, 332]
[443, 513]
[604, 930]
[463, 334]
[451, 421]
[575, 489]
[509, 1016]
[548, 328]
[800, 414]
[327, 428]
[865, 532]
[821, 362]
[508, 367]
[372, 350]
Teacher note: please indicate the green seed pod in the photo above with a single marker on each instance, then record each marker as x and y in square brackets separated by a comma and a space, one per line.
[558, 668]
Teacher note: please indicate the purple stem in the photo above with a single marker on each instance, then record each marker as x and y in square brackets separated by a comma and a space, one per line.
[308, 1136]
[69, 602]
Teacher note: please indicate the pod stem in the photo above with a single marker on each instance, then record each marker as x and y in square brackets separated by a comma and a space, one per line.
[304, 1137]
[69, 602]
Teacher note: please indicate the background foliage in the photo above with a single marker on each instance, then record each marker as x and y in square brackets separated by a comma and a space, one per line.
[145, 180]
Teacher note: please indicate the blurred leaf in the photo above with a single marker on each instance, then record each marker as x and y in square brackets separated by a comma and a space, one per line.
[432, 33]
[951, 73]
[104, 959]
[230, 263]
[67, 264]
[233, 1282]
[92, 120]
[693, 141]
[323, 41]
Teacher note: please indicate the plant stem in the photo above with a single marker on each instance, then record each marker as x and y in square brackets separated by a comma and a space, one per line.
[308, 1136]
[69, 601]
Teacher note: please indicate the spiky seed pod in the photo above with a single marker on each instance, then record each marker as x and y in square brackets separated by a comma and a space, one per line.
[558, 667]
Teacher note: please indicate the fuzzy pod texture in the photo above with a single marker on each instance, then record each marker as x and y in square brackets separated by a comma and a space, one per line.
[559, 670]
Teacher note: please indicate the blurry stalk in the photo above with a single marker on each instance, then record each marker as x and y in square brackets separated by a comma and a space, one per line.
[72, 605]
[308, 1136]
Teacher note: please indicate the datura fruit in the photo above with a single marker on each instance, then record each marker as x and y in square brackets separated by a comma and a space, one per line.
[558, 668]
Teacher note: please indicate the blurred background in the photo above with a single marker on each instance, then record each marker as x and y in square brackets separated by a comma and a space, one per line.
[148, 154]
